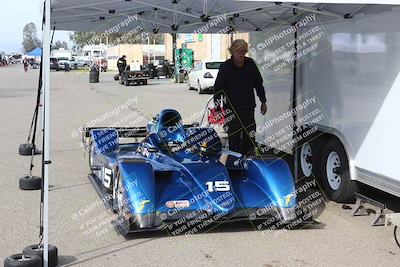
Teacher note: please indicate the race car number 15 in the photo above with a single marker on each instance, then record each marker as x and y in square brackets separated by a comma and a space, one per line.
[218, 186]
[107, 175]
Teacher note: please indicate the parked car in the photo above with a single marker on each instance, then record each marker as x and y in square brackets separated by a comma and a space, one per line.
[54, 64]
[64, 63]
[202, 76]
[164, 69]
[77, 63]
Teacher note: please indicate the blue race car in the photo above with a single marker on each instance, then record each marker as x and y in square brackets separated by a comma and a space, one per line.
[181, 173]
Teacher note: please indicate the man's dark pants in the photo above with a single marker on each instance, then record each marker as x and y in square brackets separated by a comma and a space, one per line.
[241, 132]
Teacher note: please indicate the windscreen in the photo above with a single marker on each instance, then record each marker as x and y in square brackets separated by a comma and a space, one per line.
[213, 65]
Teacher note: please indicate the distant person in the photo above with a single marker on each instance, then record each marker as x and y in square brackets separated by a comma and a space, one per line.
[26, 64]
[121, 64]
[236, 80]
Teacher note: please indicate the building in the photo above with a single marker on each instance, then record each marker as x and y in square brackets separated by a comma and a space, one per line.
[204, 46]
[134, 52]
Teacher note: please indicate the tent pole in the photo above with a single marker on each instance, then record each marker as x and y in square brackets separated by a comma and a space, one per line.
[46, 104]
[294, 104]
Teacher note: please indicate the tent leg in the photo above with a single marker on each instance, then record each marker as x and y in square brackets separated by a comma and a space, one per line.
[46, 103]
[294, 104]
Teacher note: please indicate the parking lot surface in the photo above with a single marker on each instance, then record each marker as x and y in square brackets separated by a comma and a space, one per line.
[340, 240]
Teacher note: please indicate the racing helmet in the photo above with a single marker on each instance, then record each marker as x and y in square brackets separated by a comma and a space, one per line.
[169, 127]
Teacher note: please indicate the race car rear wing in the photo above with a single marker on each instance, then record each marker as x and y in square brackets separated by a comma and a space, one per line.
[124, 132]
[128, 132]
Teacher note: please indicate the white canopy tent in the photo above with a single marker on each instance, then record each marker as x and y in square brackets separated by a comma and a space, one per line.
[183, 16]
[186, 16]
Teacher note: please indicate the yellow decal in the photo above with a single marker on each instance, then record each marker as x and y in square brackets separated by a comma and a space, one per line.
[142, 203]
[287, 199]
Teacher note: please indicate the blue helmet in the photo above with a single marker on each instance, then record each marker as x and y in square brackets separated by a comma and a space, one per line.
[169, 127]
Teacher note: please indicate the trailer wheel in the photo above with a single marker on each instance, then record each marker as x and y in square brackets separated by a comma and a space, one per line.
[20, 260]
[306, 159]
[336, 174]
[38, 250]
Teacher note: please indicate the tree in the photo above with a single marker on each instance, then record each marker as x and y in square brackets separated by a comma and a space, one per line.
[81, 39]
[29, 37]
[60, 44]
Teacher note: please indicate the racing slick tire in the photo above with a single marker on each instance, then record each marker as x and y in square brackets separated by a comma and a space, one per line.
[27, 149]
[30, 182]
[91, 155]
[21, 260]
[38, 251]
[336, 174]
[122, 224]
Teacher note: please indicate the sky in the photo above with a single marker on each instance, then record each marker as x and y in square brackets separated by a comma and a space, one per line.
[19, 13]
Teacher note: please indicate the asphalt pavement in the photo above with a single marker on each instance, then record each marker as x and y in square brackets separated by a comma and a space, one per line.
[78, 222]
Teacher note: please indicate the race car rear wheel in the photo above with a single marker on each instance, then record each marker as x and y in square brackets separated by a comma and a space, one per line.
[38, 250]
[92, 167]
[21, 260]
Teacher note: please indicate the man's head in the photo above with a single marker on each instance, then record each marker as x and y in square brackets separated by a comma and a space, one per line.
[123, 56]
[238, 49]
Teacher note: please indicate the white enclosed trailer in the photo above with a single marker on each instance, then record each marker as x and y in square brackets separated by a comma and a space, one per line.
[344, 96]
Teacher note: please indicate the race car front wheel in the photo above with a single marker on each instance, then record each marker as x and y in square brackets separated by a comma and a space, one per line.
[336, 174]
[122, 224]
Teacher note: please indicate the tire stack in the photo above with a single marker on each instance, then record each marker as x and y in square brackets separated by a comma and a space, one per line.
[32, 256]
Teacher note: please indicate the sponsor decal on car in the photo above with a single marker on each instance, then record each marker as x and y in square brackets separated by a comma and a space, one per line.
[177, 204]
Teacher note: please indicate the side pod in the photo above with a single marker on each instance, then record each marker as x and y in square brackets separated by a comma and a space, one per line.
[276, 180]
[139, 191]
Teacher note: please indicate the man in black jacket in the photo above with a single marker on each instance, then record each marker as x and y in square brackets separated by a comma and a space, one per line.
[237, 78]
[121, 64]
